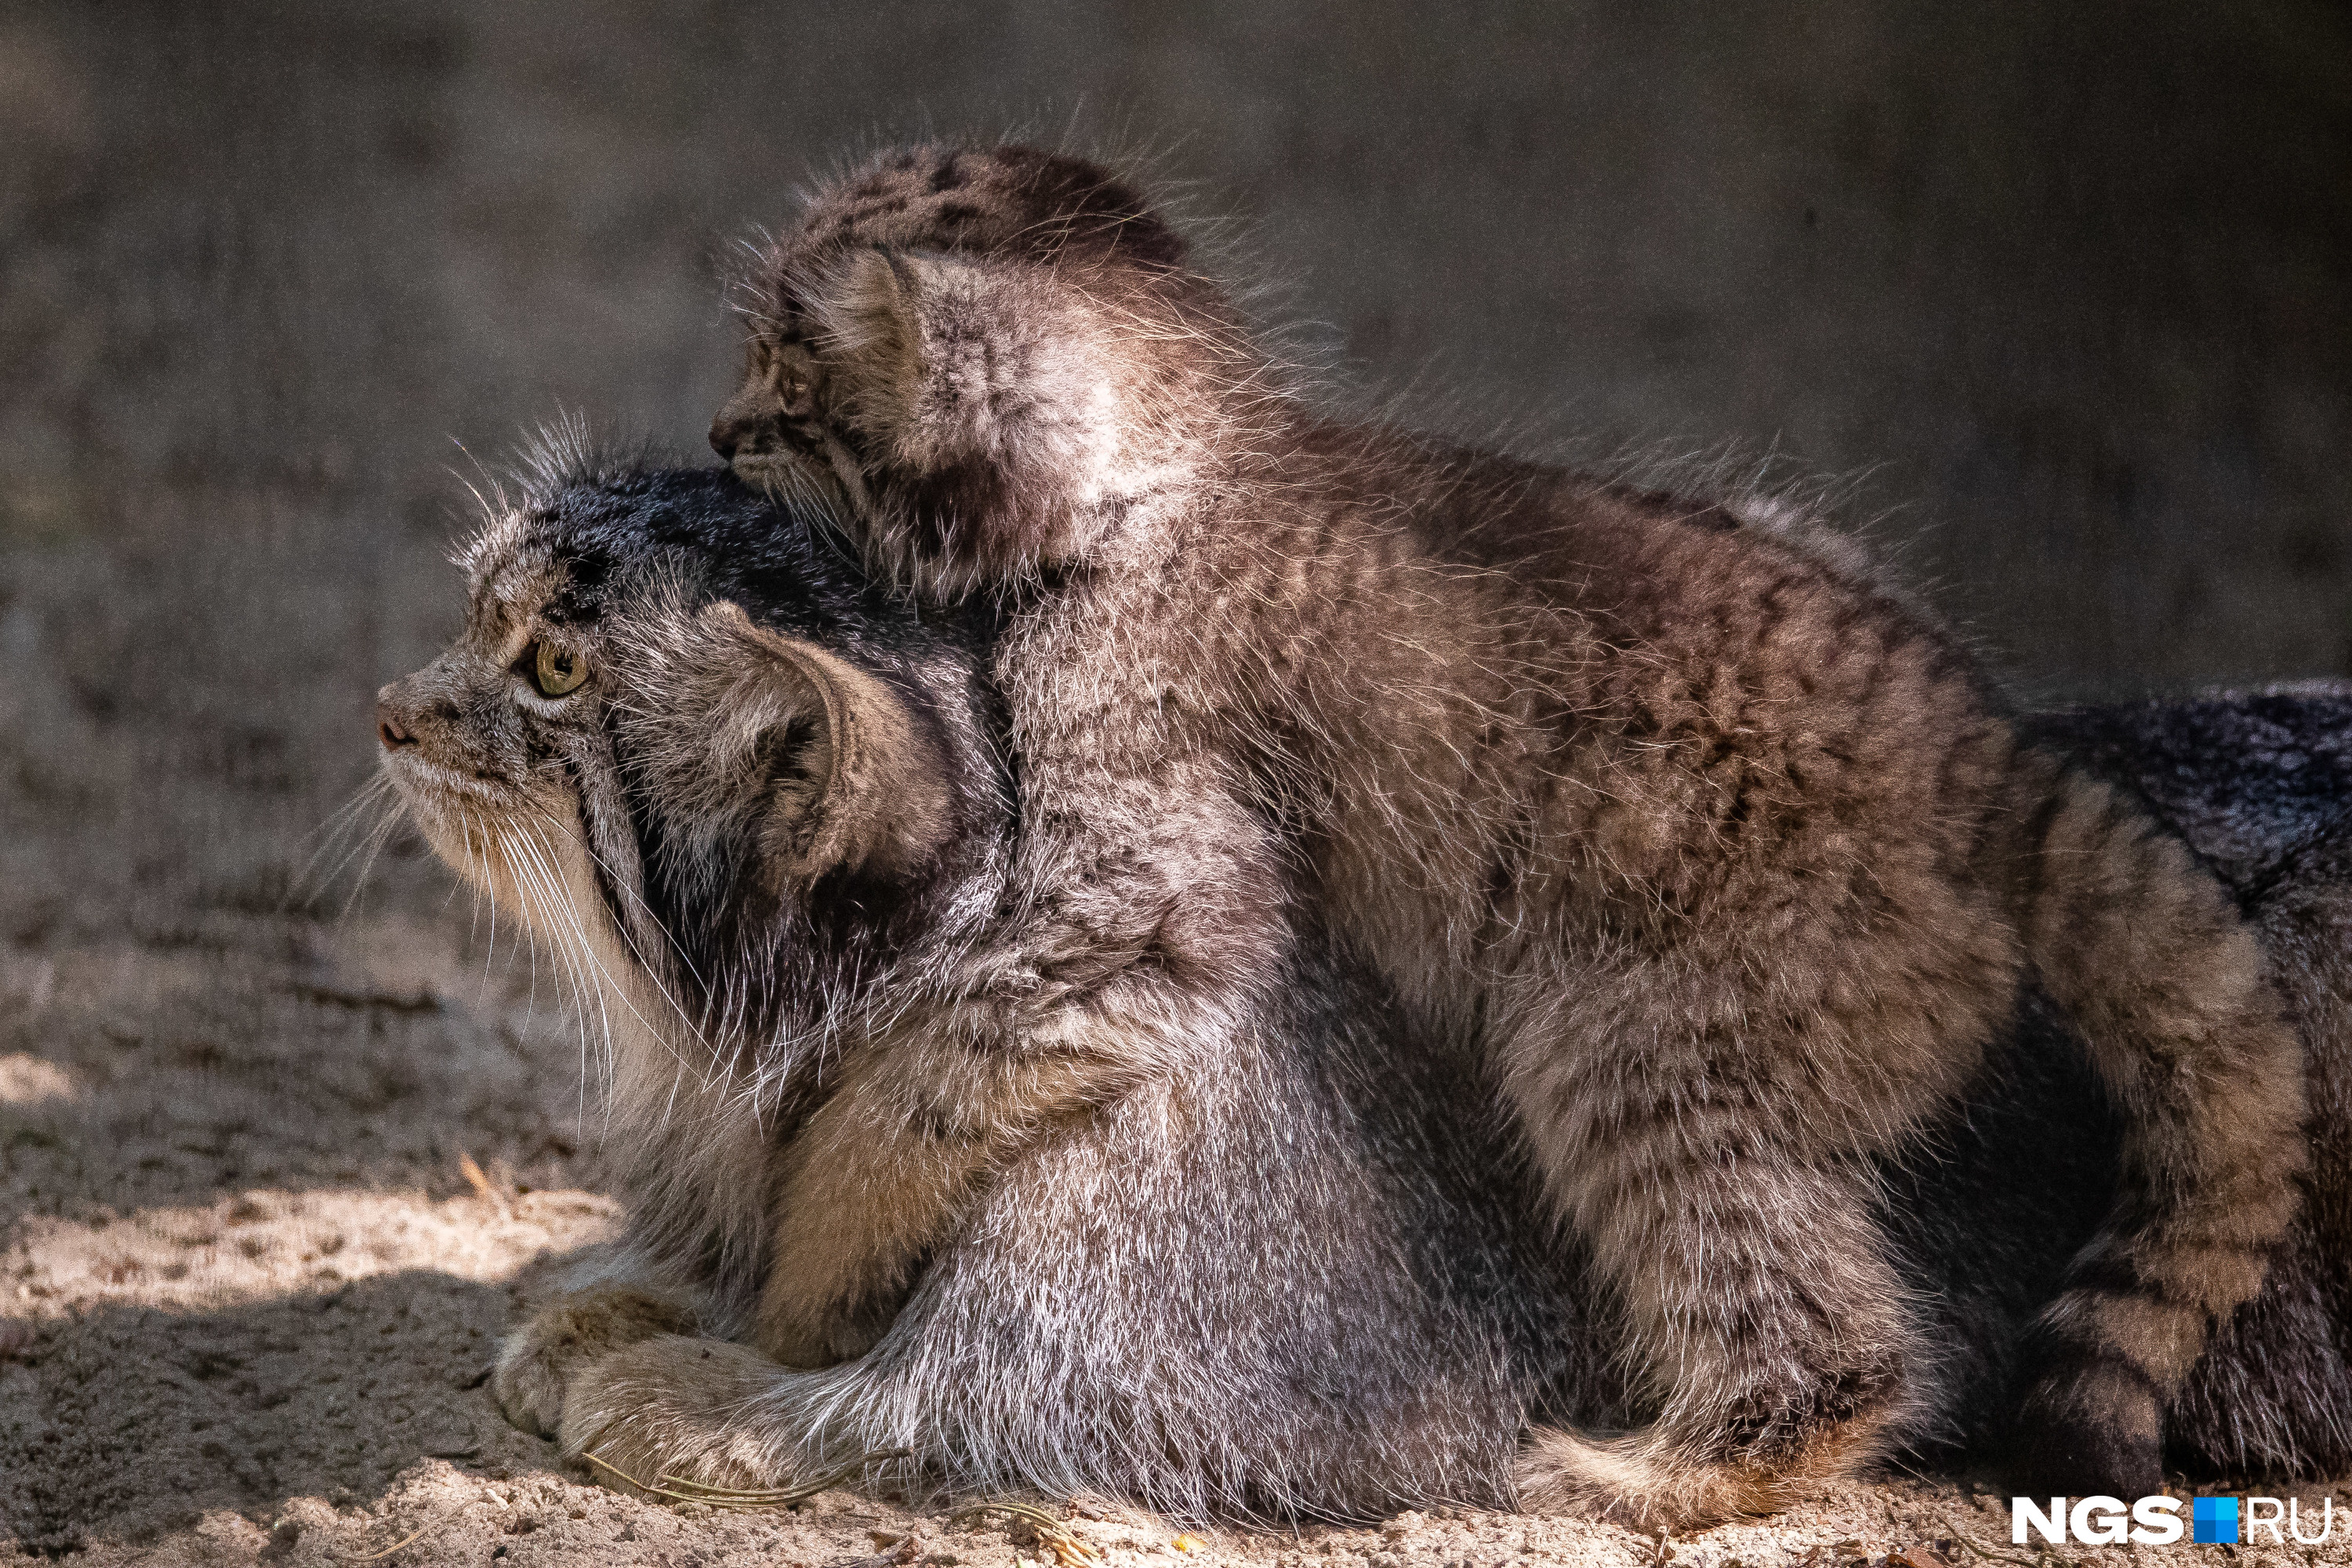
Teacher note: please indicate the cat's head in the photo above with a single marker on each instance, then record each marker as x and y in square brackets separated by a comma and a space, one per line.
[687, 742]
[981, 354]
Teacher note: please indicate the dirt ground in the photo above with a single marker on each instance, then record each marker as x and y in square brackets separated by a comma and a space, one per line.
[252, 1297]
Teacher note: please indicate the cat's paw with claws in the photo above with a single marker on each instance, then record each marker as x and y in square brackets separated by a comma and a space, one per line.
[673, 1409]
[539, 1360]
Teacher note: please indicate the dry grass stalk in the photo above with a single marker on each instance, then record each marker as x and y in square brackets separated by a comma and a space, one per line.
[678, 1488]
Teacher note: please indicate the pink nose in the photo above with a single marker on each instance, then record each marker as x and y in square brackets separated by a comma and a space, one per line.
[388, 726]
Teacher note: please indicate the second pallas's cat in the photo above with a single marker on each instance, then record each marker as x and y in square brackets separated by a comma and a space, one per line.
[1719, 849]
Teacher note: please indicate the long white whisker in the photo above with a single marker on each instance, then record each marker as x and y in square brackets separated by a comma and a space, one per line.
[562, 926]
[574, 918]
[638, 899]
[489, 844]
[660, 988]
[396, 814]
[532, 867]
[343, 824]
[477, 882]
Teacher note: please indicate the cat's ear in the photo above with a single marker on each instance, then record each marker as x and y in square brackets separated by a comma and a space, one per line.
[870, 314]
[843, 776]
[984, 411]
[931, 359]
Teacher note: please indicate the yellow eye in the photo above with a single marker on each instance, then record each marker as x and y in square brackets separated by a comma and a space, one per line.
[556, 672]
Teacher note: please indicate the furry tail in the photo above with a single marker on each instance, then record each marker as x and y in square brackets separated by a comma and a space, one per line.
[2146, 952]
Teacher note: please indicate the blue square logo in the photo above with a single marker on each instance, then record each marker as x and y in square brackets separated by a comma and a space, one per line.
[2213, 1520]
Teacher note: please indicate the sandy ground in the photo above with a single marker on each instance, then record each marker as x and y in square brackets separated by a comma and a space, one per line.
[249, 1293]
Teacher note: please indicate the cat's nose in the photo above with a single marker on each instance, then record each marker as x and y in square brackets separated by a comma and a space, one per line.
[389, 729]
[744, 422]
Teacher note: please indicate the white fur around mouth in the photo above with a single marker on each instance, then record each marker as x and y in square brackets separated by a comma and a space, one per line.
[421, 778]
[787, 473]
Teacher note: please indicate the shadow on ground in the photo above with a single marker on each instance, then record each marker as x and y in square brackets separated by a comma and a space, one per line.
[145, 1418]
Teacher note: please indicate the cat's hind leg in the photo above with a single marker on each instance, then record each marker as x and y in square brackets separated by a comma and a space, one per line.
[1704, 1107]
[1762, 1308]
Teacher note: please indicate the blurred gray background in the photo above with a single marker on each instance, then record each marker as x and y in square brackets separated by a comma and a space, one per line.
[2068, 287]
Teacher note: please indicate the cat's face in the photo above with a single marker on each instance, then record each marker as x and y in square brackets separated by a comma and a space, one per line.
[772, 430]
[487, 744]
[683, 741]
[880, 275]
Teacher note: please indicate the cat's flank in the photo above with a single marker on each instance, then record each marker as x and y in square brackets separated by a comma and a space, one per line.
[1717, 849]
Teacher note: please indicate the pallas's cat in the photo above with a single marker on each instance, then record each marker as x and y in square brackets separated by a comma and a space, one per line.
[1719, 851]
[750, 804]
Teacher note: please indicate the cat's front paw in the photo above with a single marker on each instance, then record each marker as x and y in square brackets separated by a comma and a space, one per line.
[675, 1407]
[538, 1361]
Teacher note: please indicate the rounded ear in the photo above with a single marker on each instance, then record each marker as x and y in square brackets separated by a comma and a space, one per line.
[982, 412]
[877, 314]
[850, 781]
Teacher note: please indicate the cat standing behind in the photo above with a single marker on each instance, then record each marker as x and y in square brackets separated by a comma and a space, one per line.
[1719, 851]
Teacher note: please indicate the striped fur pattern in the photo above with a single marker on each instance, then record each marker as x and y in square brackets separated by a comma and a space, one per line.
[2260, 787]
[1714, 849]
